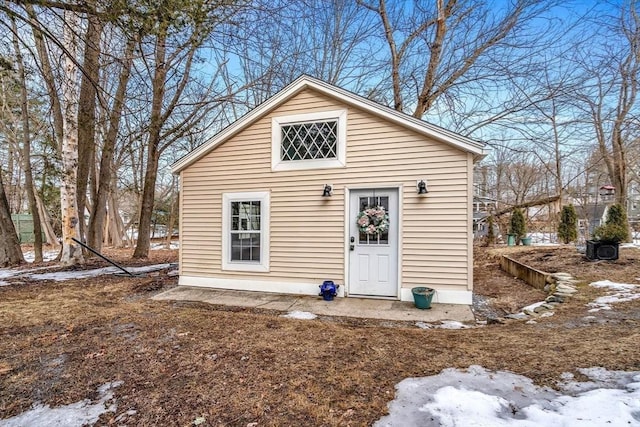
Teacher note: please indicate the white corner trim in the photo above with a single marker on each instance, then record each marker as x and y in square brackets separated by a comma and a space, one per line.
[265, 207]
[400, 257]
[442, 296]
[277, 164]
[279, 287]
[347, 233]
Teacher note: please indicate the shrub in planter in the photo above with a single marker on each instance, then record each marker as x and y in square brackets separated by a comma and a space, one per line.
[568, 227]
[610, 233]
[615, 227]
[518, 227]
[608, 236]
[491, 235]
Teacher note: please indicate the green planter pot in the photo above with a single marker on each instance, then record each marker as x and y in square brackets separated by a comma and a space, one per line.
[526, 241]
[511, 239]
[422, 297]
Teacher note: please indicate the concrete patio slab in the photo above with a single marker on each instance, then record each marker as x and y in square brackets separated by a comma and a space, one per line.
[343, 307]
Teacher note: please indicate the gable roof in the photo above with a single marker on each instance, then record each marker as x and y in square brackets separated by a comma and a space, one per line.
[592, 211]
[306, 82]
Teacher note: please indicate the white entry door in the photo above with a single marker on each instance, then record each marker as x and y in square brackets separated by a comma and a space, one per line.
[373, 254]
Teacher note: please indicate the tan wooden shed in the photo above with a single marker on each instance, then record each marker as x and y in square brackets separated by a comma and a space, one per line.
[317, 184]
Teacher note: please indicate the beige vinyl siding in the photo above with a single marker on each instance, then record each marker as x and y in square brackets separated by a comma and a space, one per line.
[307, 235]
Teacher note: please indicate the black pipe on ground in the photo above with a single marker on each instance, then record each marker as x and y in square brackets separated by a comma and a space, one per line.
[115, 264]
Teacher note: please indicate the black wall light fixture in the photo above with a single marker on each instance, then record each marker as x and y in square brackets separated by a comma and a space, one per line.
[327, 191]
[421, 186]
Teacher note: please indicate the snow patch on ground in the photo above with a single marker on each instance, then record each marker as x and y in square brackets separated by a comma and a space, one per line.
[157, 246]
[83, 274]
[424, 325]
[618, 292]
[532, 306]
[444, 324]
[76, 414]
[635, 244]
[30, 256]
[303, 315]
[544, 239]
[451, 324]
[6, 273]
[600, 378]
[60, 276]
[479, 397]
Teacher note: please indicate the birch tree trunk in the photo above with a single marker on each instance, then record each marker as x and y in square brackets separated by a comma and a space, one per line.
[71, 251]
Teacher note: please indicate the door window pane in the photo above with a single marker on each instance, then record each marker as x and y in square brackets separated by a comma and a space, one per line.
[376, 238]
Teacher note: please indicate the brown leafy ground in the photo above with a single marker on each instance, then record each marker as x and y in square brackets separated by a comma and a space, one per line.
[60, 341]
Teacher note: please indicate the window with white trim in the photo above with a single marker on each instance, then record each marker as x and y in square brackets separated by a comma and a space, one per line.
[245, 231]
[309, 141]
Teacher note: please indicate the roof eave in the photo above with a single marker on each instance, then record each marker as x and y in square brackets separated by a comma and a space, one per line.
[440, 134]
[422, 127]
[235, 127]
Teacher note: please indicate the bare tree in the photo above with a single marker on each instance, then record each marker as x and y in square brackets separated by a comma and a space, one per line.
[87, 111]
[440, 49]
[609, 95]
[548, 126]
[10, 251]
[47, 72]
[178, 100]
[26, 147]
[105, 181]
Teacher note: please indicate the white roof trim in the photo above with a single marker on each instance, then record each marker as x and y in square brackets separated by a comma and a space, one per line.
[303, 82]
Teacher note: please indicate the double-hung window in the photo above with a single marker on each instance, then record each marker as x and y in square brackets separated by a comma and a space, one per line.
[309, 141]
[245, 234]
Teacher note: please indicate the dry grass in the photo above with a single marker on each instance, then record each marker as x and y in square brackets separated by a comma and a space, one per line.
[567, 259]
[503, 292]
[238, 366]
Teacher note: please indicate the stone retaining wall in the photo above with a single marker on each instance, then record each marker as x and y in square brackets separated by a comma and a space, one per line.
[558, 286]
